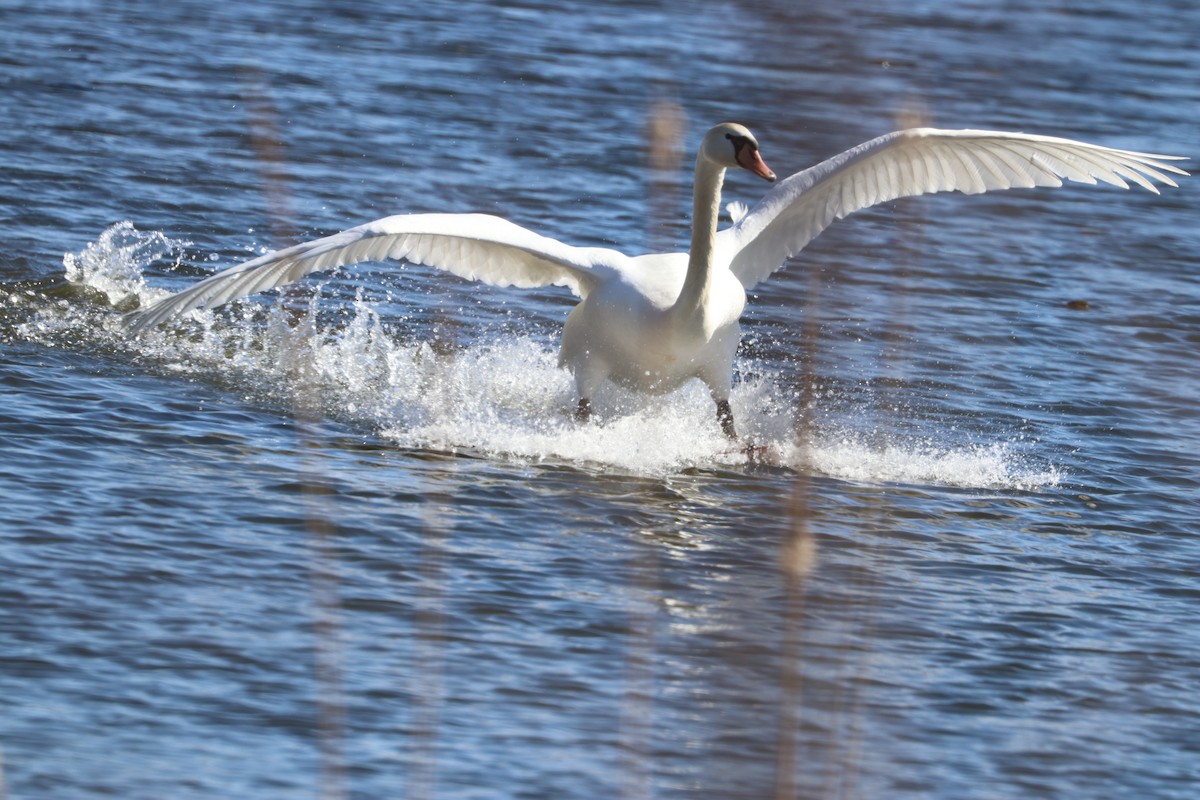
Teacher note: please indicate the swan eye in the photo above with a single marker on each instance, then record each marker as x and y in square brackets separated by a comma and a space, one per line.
[740, 143]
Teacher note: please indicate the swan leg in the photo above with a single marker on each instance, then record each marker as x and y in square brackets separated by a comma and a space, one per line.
[725, 417]
[584, 411]
[588, 376]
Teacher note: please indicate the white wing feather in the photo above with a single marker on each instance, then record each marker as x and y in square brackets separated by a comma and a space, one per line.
[473, 246]
[913, 162]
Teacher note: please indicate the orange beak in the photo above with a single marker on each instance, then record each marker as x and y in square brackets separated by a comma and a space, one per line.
[749, 159]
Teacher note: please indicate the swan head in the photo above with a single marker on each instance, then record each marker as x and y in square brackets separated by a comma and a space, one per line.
[731, 145]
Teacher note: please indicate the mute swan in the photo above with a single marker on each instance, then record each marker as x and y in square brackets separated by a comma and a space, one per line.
[653, 322]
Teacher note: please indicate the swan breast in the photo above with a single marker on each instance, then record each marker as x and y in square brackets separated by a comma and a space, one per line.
[626, 328]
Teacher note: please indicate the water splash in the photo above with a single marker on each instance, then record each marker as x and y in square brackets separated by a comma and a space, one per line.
[114, 263]
[922, 461]
[500, 396]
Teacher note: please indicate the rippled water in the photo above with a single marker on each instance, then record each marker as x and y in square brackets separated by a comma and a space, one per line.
[369, 555]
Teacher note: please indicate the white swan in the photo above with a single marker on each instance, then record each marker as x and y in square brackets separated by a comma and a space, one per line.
[653, 322]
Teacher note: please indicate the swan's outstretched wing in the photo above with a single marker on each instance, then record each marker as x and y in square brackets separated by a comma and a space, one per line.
[474, 246]
[912, 162]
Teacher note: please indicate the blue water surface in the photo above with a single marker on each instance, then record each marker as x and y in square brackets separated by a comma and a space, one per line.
[371, 555]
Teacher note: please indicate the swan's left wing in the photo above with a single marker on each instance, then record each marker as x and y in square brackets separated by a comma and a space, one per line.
[473, 246]
[913, 162]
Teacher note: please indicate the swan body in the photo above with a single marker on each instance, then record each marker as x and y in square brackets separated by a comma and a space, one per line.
[656, 321]
[627, 330]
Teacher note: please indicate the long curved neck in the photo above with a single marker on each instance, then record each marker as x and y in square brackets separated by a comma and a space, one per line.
[706, 203]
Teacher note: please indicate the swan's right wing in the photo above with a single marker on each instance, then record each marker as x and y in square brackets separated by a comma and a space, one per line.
[913, 162]
[473, 246]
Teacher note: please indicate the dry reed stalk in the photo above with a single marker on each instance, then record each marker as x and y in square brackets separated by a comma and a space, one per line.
[321, 534]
